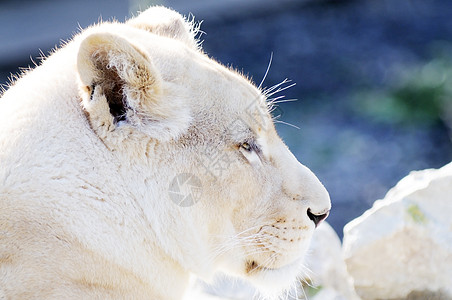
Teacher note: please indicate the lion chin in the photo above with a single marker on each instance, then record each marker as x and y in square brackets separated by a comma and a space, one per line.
[273, 282]
[131, 160]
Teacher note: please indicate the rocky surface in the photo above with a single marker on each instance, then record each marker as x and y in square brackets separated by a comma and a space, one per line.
[329, 275]
[402, 247]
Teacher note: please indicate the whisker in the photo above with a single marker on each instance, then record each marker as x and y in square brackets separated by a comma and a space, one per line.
[285, 123]
[232, 246]
[305, 296]
[272, 109]
[266, 72]
[260, 251]
[266, 91]
[232, 242]
[240, 233]
[272, 100]
[285, 100]
[267, 262]
[280, 89]
[237, 242]
[287, 294]
[307, 273]
[257, 295]
[295, 288]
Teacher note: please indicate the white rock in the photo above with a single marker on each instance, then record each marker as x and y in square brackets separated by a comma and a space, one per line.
[328, 269]
[327, 294]
[403, 244]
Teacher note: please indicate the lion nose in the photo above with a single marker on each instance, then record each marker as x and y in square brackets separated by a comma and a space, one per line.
[317, 218]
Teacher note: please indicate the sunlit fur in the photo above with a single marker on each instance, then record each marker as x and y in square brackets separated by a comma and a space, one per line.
[84, 201]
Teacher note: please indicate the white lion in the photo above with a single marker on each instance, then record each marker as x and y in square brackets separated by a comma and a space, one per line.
[130, 160]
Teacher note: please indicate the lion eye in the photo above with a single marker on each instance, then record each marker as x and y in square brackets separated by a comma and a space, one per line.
[251, 151]
[245, 146]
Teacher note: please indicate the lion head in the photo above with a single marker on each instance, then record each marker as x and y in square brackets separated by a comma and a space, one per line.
[155, 97]
[173, 164]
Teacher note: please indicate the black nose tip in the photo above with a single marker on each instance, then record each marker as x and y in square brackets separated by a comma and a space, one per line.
[317, 218]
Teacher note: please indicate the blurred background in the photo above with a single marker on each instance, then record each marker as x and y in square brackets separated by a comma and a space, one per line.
[373, 77]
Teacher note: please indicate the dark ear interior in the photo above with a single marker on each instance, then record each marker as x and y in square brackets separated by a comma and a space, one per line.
[112, 87]
[118, 83]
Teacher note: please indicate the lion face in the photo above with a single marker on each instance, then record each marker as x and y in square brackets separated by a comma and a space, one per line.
[264, 204]
[156, 100]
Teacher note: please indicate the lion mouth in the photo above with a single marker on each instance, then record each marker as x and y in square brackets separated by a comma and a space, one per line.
[252, 266]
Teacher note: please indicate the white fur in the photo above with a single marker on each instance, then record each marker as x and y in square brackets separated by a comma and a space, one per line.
[84, 205]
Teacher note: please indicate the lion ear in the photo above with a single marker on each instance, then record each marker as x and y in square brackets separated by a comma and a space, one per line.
[166, 22]
[122, 87]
